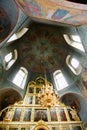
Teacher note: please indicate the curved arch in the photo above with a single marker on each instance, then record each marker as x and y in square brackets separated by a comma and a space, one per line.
[41, 125]
[11, 9]
[8, 96]
[72, 100]
[76, 68]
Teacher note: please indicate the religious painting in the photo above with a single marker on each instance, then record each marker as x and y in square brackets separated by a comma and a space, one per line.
[17, 114]
[36, 102]
[29, 100]
[71, 100]
[25, 129]
[40, 114]
[62, 115]
[53, 115]
[76, 128]
[70, 115]
[27, 115]
[55, 128]
[60, 13]
[32, 7]
[31, 89]
[8, 116]
[38, 90]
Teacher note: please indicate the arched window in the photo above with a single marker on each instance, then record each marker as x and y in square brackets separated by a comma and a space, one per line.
[20, 78]
[18, 34]
[74, 65]
[10, 59]
[60, 80]
[74, 41]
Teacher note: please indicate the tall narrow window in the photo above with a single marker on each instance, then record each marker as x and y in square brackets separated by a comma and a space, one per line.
[21, 77]
[74, 41]
[60, 80]
[75, 38]
[10, 58]
[18, 34]
[74, 65]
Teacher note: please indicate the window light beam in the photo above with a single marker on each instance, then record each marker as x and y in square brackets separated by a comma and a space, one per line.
[75, 44]
[60, 81]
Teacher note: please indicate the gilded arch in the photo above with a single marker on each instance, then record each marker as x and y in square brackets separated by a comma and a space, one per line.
[41, 125]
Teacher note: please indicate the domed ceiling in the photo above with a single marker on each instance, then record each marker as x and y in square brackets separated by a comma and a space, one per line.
[43, 48]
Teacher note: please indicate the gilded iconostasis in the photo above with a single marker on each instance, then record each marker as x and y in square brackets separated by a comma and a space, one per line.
[43, 51]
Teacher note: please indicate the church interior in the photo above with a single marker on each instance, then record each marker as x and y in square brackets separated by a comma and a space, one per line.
[43, 65]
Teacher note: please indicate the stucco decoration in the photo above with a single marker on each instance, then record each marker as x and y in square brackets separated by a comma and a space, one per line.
[55, 10]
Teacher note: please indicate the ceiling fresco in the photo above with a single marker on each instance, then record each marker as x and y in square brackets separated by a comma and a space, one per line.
[42, 48]
[60, 11]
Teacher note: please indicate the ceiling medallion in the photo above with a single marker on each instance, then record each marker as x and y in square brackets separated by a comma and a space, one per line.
[47, 97]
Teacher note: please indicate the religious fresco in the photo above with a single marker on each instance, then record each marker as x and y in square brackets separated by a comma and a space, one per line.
[38, 90]
[8, 97]
[9, 14]
[60, 13]
[5, 24]
[40, 114]
[53, 115]
[42, 44]
[29, 100]
[27, 114]
[82, 83]
[17, 114]
[56, 10]
[31, 89]
[62, 115]
[71, 100]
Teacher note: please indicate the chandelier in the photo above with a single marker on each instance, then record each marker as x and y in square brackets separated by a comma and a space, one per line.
[47, 97]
